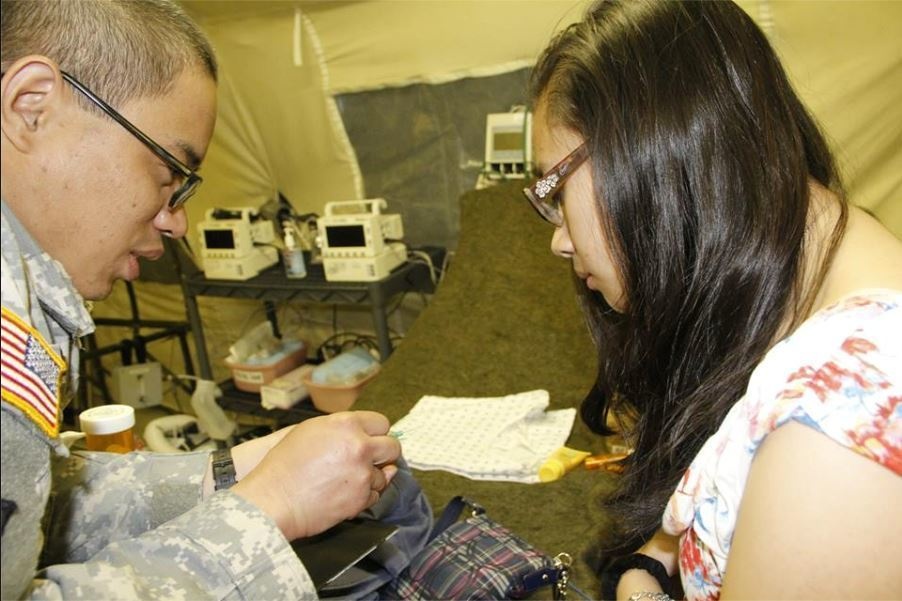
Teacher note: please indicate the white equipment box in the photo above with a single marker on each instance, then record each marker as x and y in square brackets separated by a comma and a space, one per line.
[359, 243]
[508, 145]
[229, 239]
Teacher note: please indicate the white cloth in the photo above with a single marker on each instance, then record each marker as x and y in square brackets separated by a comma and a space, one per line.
[486, 438]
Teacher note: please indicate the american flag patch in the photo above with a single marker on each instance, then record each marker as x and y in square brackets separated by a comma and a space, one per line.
[32, 373]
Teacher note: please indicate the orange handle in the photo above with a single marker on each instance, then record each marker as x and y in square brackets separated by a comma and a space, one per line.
[609, 462]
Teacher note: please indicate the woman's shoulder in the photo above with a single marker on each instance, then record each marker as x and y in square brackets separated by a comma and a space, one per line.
[849, 335]
[866, 301]
[840, 373]
[874, 314]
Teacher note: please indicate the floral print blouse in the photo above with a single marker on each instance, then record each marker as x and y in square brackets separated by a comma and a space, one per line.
[840, 373]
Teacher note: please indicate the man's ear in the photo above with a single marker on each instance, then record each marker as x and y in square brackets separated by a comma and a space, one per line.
[32, 89]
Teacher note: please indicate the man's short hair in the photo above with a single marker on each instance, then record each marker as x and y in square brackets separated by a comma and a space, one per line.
[121, 49]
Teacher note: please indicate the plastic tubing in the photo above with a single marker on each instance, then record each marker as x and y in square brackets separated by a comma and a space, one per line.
[609, 462]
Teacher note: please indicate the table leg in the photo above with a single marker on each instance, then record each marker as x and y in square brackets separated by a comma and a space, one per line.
[380, 321]
[197, 329]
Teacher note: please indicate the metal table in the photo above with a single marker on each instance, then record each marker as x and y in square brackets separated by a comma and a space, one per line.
[272, 285]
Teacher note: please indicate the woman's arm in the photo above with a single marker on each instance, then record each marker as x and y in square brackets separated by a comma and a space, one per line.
[817, 520]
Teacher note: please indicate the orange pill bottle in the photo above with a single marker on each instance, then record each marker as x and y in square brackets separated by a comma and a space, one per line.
[109, 428]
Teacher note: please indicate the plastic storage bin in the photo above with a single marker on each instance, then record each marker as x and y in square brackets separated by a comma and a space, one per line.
[250, 375]
[336, 384]
[331, 398]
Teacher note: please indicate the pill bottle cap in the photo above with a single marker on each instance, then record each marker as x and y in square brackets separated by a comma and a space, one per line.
[107, 419]
[551, 470]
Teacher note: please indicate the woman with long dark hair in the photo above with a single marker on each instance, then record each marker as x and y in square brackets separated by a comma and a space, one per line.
[747, 317]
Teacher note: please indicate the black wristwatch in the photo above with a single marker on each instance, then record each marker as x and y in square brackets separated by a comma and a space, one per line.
[223, 469]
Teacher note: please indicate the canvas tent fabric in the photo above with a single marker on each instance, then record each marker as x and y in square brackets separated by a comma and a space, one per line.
[282, 64]
[845, 60]
[285, 61]
[387, 43]
[292, 71]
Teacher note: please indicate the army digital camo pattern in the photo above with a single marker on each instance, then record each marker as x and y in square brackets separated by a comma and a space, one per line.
[101, 526]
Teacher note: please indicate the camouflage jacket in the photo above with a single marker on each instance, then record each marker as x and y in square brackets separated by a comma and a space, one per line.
[97, 525]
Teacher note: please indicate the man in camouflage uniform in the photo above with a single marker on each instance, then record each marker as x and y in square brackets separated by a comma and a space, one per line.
[84, 194]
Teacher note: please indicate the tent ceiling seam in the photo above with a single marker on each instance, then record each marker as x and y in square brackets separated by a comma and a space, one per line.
[439, 78]
[334, 115]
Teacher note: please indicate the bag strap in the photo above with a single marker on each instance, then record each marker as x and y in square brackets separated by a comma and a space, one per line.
[451, 514]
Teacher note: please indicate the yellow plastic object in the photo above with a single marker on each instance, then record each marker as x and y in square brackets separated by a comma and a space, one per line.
[560, 462]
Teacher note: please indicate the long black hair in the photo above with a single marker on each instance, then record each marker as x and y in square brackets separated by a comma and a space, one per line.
[702, 156]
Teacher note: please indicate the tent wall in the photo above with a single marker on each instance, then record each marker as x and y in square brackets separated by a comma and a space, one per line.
[278, 129]
[845, 60]
[336, 100]
[283, 62]
[437, 134]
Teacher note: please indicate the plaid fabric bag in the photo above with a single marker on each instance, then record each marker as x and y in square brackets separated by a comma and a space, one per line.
[477, 558]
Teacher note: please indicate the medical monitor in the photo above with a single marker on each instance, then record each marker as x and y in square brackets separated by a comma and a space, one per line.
[508, 144]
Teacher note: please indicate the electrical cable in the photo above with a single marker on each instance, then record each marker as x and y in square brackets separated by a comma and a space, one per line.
[337, 343]
[423, 257]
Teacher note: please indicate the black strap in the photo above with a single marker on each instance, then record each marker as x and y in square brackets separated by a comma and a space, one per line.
[223, 469]
[7, 508]
[451, 514]
[548, 576]
[611, 575]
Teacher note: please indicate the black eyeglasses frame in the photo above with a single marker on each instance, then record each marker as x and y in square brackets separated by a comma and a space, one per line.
[191, 179]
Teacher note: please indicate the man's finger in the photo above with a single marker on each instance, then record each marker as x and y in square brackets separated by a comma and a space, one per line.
[374, 424]
[386, 449]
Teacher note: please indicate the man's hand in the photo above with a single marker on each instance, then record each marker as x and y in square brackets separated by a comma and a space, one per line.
[310, 476]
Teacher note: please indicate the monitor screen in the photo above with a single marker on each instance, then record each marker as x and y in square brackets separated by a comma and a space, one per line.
[505, 140]
[345, 236]
[219, 239]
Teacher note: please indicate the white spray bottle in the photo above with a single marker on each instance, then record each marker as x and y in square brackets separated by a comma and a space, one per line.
[292, 255]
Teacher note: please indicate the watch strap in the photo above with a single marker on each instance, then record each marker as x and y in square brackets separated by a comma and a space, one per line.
[223, 469]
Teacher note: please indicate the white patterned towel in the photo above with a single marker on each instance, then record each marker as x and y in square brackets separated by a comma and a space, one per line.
[489, 438]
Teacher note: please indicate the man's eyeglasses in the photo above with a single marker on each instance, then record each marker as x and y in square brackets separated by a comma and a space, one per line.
[190, 179]
[544, 194]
